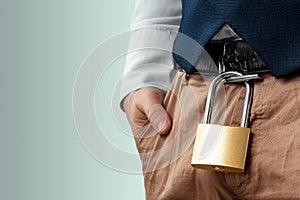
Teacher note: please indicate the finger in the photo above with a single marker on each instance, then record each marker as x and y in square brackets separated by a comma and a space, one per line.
[159, 119]
[144, 106]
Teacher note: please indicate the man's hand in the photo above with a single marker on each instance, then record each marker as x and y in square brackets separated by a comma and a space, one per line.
[145, 105]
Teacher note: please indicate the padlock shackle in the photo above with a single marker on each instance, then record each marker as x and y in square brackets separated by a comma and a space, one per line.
[211, 94]
[247, 105]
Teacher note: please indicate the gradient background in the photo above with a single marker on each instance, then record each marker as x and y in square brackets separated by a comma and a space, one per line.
[42, 46]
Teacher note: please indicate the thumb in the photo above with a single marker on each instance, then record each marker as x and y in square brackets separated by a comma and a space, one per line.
[159, 119]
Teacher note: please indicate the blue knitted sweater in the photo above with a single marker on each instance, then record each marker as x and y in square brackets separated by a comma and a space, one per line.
[270, 27]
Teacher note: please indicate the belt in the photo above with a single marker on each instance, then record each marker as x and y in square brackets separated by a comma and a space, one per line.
[231, 54]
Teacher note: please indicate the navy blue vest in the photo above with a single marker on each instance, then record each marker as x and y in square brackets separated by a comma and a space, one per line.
[270, 27]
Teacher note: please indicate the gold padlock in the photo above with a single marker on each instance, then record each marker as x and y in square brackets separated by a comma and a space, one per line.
[222, 148]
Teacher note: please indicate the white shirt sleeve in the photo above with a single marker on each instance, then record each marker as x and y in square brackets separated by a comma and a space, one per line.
[149, 60]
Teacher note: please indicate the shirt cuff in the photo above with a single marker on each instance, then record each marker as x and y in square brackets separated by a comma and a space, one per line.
[149, 59]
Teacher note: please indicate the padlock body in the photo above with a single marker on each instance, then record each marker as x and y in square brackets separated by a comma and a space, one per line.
[220, 148]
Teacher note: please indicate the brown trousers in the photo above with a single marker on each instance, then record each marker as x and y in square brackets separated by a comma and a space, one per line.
[273, 160]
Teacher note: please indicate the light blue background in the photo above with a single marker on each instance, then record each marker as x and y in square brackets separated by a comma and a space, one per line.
[42, 46]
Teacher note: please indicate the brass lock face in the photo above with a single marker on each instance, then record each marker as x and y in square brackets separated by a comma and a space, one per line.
[222, 148]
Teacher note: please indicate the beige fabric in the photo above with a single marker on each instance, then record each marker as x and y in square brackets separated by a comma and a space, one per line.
[273, 159]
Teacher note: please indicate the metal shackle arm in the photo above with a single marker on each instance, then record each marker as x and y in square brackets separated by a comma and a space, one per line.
[211, 94]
